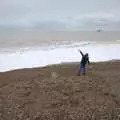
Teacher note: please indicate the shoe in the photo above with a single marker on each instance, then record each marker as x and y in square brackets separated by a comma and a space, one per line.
[84, 73]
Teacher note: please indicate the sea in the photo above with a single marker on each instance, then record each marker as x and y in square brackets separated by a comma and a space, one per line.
[28, 48]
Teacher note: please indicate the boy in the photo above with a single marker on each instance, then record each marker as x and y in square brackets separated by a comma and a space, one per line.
[84, 61]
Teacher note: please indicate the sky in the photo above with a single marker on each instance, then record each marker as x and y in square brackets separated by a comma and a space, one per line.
[60, 14]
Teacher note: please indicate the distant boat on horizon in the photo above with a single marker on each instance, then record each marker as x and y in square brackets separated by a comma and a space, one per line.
[99, 30]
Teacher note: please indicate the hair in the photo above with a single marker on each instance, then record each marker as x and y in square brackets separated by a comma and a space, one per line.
[86, 54]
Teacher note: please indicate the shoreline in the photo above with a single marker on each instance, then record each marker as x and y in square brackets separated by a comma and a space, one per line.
[63, 63]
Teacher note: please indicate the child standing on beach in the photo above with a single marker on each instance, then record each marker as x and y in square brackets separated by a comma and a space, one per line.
[84, 61]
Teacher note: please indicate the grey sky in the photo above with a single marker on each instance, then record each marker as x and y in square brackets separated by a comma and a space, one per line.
[61, 14]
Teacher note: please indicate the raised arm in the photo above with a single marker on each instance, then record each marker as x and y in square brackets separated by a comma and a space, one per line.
[81, 53]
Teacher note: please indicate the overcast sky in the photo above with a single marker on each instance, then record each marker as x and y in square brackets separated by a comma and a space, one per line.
[60, 14]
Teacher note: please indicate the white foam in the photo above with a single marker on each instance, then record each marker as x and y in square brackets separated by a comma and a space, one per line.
[38, 57]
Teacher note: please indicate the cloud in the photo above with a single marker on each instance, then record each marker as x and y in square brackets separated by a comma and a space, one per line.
[60, 14]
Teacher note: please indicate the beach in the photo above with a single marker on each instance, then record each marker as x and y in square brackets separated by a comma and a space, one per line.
[38, 77]
[56, 92]
[44, 47]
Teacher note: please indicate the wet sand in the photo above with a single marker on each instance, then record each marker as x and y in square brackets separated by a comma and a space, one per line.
[57, 93]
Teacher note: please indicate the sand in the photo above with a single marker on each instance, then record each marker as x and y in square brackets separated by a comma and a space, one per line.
[57, 93]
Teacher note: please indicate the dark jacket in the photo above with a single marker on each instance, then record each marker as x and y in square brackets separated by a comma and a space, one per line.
[85, 59]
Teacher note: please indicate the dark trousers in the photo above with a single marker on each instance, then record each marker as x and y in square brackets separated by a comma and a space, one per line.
[82, 68]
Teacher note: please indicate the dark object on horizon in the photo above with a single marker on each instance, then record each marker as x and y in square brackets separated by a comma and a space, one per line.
[99, 30]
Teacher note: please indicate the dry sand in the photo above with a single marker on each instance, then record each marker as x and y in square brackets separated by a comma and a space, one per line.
[56, 93]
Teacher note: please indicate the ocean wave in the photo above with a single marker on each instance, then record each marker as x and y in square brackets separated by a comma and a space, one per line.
[63, 44]
[28, 58]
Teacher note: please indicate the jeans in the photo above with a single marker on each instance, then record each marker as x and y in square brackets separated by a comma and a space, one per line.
[82, 68]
